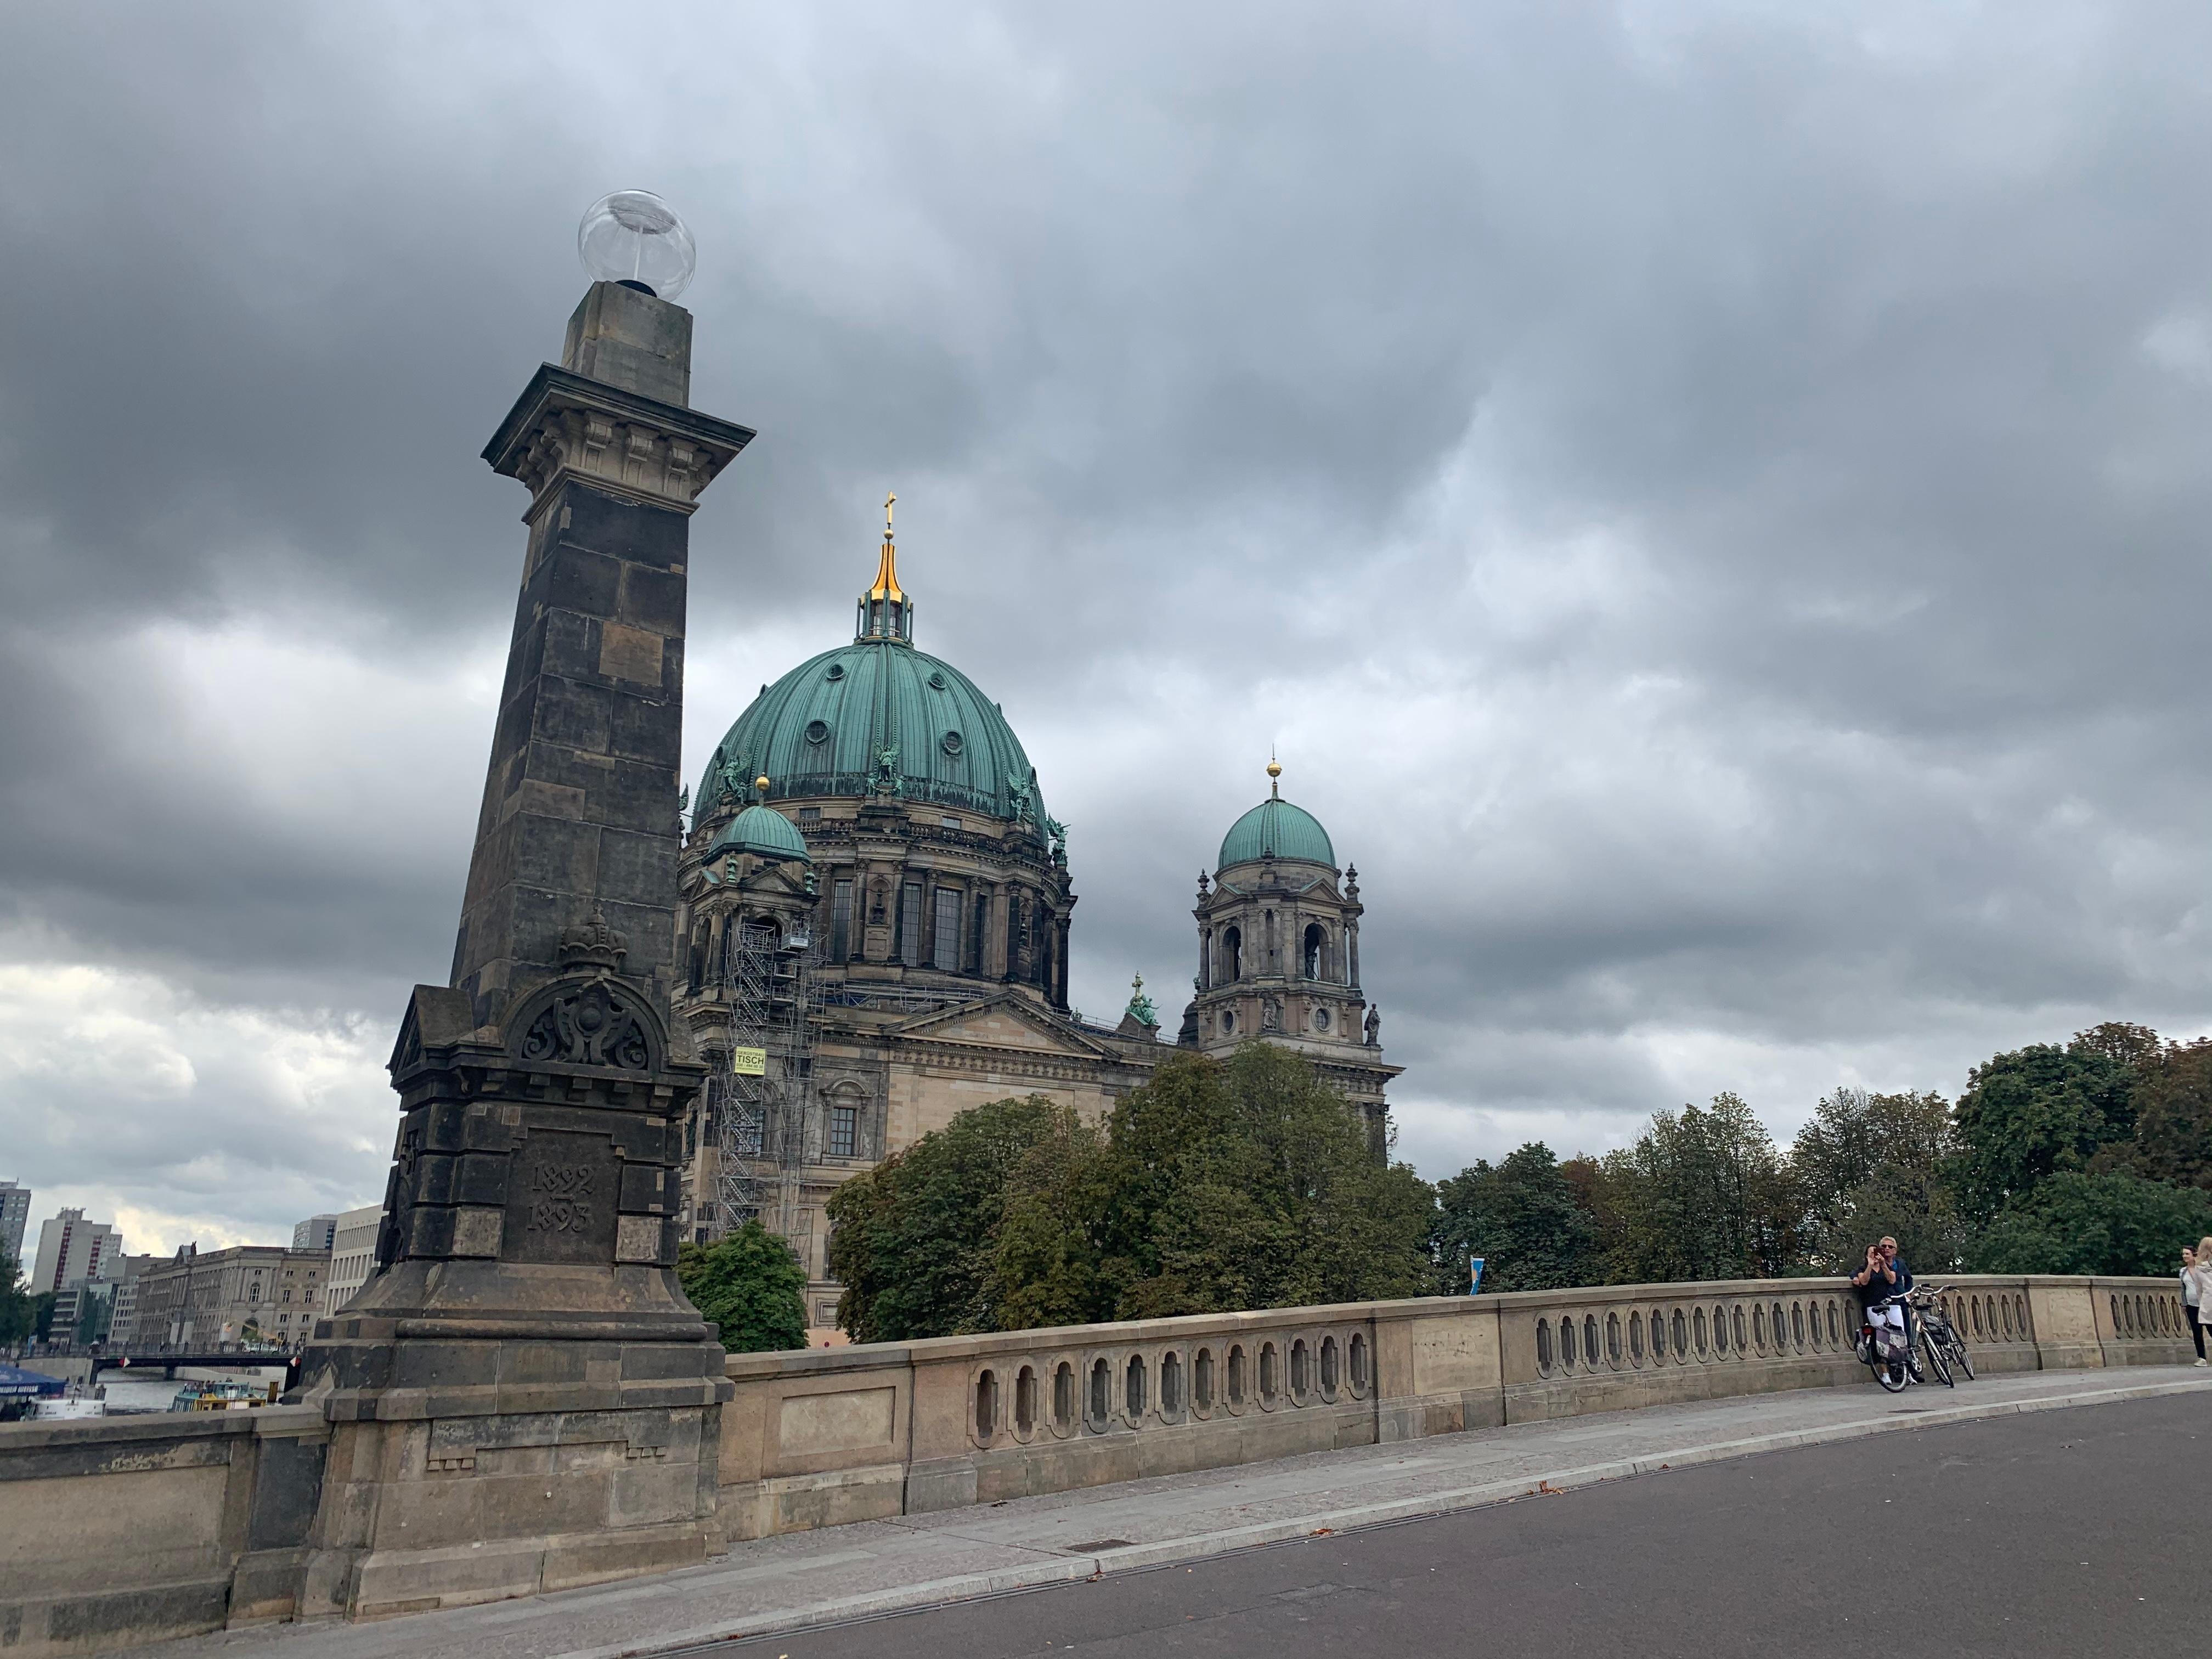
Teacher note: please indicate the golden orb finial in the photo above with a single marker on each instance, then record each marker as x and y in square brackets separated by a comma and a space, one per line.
[1274, 771]
[760, 784]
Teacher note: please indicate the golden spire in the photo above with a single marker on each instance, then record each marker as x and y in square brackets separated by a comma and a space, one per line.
[1274, 771]
[887, 586]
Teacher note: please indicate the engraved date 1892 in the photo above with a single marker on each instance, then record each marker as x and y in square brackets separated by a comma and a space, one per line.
[561, 1198]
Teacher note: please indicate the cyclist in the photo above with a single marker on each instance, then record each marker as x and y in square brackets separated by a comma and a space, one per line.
[1875, 1283]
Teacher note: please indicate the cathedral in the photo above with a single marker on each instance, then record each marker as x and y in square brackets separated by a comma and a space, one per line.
[875, 934]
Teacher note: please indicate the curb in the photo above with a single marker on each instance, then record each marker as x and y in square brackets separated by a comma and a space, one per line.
[1138, 1558]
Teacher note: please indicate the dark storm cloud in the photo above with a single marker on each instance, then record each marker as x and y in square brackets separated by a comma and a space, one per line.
[1706, 498]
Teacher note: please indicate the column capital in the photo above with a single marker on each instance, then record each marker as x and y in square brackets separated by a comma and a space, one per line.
[634, 447]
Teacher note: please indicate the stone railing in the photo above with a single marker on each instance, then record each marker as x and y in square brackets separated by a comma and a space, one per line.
[119, 1531]
[846, 1434]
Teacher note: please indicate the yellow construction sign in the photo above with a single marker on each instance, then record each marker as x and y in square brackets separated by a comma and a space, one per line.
[749, 1062]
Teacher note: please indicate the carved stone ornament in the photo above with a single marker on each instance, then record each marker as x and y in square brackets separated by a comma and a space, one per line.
[594, 945]
[593, 1025]
[628, 458]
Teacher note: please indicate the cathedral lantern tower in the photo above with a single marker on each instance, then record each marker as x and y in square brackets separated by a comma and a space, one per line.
[1278, 953]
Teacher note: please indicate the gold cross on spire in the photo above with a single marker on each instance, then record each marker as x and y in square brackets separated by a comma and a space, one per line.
[888, 499]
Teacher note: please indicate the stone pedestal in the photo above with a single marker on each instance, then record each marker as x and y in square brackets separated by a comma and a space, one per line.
[522, 1398]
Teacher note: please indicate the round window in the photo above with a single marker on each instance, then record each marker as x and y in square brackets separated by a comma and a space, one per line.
[952, 742]
[1228, 1023]
[937, 679]
[836, 671]
[1320, 1020]
[817, 731]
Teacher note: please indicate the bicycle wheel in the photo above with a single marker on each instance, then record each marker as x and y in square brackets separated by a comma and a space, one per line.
[1959, 1360]
[1937, 1362]
[1891, 1374]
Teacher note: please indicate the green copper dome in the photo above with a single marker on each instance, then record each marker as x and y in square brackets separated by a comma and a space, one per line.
[1275, 826]
[761, 830]
[876, 718]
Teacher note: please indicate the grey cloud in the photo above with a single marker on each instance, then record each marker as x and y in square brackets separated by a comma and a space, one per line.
[1708, 499]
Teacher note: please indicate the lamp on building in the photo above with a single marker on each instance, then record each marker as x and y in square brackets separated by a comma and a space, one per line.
[634, 238]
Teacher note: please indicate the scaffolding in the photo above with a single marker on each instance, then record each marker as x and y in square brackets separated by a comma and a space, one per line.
[758, 1095]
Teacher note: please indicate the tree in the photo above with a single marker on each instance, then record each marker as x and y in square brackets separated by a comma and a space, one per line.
[750, 1286]
[1522, 1217]
[2035, 1113]
[1701, 1194]
[2173, 1139]
[912, 1240]
[2076, 1223]
[1217, 1185]
[18, 1308]
[1869, 1166]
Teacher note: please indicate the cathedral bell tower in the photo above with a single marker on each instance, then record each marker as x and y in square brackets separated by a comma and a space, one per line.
[1278, 953]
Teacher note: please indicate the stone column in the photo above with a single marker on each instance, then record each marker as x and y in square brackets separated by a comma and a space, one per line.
[521, 1397]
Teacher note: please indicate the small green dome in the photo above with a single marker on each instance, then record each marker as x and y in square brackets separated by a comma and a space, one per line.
[761, 830]
[1275, 826]
[873, 717]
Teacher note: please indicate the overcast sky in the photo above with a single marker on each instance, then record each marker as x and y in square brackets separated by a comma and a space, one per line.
[1708, 501]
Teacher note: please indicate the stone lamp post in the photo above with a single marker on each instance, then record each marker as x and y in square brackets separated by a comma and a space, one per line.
[522, 1398]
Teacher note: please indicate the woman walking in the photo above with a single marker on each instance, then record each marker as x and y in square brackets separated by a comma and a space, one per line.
[2200, 1274]
[2192, 1300]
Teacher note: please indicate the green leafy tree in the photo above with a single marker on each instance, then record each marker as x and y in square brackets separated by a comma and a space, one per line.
[912, 1239]
[1869, 1166]
[18, 1307]
[2038, 1112]
[2173, 1098]
[1523, 1218]
[748, 1285]
[2076, 1223]
[1702, 1193]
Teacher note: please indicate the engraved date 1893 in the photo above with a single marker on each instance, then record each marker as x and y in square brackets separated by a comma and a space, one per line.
[561, 1198]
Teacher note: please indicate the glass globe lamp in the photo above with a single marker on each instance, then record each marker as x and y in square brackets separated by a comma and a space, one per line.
[634, 238]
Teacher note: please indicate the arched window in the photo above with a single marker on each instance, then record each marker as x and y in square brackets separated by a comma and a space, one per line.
[1310, 957]
[1232, 954]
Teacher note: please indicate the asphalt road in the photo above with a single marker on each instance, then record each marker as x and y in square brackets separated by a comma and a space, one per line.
[2087, 1531]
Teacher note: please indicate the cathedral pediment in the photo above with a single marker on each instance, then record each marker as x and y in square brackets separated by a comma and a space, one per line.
[1007, 1021]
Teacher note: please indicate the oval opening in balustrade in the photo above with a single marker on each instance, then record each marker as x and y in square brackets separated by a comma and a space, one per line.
[1170, 1383]
[1271, 1380]
[1613, 1340]
[1544, 1346]
[1658, 1334]
[1974, 1309]
[1358, 1364]
[1133, 1392]
[1567, 1343]
[1735, 1317]
[1797, 1321]
[987, 1406]
[1835, 1327]
[1025, 1400]
[1202, 1379]
[1698, 1329]
[1589, 1338]
[1720, 1330]
[1779, 1324]
[1101, 1394]
[1301, 1370]
[2005, 1306]
[1636, 1339]
[1759, 1326]
[1328, 1367]
[1681, 1334]
[1063, 1397]
[1237, 1376]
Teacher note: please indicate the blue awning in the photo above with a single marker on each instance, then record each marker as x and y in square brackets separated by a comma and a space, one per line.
[15, 1382]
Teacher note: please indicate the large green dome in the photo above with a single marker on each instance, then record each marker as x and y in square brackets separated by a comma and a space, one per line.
[874, 717]
[1276, 827]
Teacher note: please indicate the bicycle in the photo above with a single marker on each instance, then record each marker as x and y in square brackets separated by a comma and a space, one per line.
[1939, 1338]
[1882, 1346]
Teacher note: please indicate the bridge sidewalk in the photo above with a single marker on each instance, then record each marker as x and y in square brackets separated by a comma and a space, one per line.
[804, 1579]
